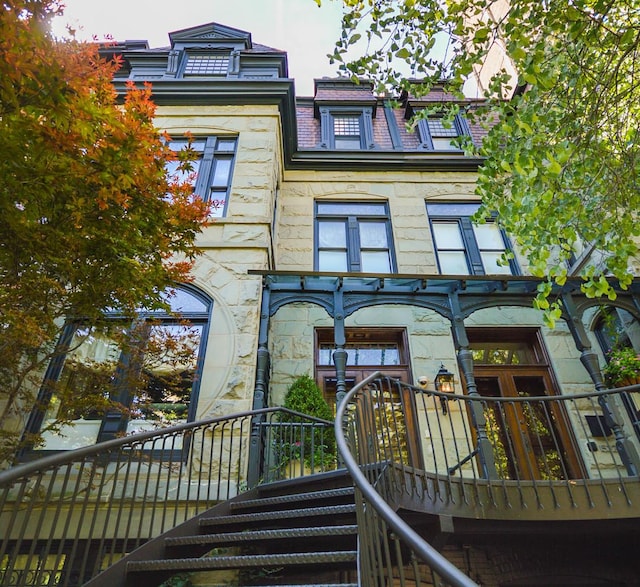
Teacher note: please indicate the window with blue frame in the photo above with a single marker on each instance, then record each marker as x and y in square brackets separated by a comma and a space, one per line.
[135, 376]
[353, 237]
[436, 135]
[464, 248]
[346, 128]
[211, 169]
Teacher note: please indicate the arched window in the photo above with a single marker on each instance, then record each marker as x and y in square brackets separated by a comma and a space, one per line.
[616, 328]
[126, 378]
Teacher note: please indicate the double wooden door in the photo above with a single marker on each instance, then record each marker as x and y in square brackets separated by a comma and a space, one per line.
[531, 439]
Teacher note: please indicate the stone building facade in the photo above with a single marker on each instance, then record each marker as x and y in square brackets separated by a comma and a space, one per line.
[335, 189]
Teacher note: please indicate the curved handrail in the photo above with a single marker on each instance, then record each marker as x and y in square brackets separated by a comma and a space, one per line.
[54, 460]
[404, 532]
[534, 457]
[74, 512]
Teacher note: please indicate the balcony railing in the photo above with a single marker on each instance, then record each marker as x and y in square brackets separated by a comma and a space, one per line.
[486, 459]
[64, 518]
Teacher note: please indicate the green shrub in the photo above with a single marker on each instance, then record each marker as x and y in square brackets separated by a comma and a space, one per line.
[305, 396]
[316, 445]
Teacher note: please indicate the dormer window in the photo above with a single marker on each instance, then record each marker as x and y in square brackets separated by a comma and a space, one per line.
[206, 64]
[346, 129]
[436, 136]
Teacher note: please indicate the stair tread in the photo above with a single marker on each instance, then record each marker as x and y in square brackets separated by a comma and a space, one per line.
[293, 497]
[233, 562]
[263, 534]
[279, 514]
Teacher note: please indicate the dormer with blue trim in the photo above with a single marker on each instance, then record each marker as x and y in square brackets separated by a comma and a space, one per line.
[205, 52]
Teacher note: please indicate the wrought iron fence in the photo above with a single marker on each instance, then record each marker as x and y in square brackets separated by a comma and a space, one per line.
[64, 518]
[529, 457]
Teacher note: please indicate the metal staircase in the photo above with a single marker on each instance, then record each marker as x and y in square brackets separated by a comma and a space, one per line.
[297, 532]
[217, 501]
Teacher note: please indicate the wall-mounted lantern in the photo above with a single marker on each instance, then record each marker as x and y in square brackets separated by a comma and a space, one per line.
[444, 382]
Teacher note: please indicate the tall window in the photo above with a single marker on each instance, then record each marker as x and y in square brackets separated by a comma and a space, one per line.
[211, 170]
[463, 248]
[353, 237]
[139, 376]
[616, 328]
[206, 64]
[436, 136]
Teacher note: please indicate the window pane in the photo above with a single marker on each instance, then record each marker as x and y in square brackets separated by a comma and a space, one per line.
[89, 369]
[182, 175]
[375, 262]
[325, 356]
[490, 263]
[221, 172]
[452, 209]
[453, 262]
[207, 65]
[332, 234]
[373, 235]
[347, 143]
[346, 125]
[447, 235]
[364, 209]
[182, 302]
[332, 261]
[168, 371]
[437, 128]
[488, 236]
[226, 145]
[443, 144]
[502, 353]
[195, 145]
[377, 356]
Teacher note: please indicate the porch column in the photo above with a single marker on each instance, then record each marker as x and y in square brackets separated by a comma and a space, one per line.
[465, 361]
[260, 394]
[611, 409]
[340, 354]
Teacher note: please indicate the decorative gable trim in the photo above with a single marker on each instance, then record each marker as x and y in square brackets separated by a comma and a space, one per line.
[212, 32]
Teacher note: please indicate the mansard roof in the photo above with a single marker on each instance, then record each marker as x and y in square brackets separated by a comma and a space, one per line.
[257, 74]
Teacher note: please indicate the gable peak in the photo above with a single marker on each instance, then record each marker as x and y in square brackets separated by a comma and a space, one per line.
[211, 32]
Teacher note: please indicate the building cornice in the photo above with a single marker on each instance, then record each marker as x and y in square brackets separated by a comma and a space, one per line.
[280, 92]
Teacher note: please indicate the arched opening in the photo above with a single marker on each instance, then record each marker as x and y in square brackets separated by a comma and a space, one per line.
[126, 377]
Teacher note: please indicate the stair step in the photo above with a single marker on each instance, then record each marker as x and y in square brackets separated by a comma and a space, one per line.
[243, 561]
[254, 535]
[293, 498]
[279, 515]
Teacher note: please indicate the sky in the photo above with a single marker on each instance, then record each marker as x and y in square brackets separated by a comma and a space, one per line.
[307, 33]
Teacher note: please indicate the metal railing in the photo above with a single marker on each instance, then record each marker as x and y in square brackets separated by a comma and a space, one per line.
[531, 457]
[371, 438]
[64, 518]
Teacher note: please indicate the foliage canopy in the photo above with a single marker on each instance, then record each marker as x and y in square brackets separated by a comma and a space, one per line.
[89, 220]
[562, 156]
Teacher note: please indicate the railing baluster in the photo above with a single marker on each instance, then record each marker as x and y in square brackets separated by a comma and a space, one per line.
[528, 438]
[71, 510]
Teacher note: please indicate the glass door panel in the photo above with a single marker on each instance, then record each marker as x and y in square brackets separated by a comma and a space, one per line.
[530, 439]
